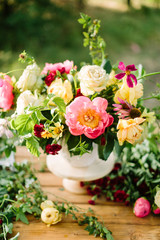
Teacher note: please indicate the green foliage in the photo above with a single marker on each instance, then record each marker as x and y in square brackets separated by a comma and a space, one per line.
[20, 194]
[33, 146]
[60, 104]
[87, 217]
[92, 39]
[23, 124]
[25, 58]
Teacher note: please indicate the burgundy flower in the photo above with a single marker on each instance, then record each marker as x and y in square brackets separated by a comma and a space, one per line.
[127, 71]
[108, 198]
[82, 184]
[1, 221]
[120, 196]
[78, 93]
[127, 203]
[53, 149]
[38, 129]
[103, 141]
[50, 78]
[99, 182]
[92, 202]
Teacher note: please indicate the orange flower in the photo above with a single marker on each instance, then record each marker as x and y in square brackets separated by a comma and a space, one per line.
[129, 130]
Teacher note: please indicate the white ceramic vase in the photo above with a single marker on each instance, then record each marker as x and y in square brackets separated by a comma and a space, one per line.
[74, 169]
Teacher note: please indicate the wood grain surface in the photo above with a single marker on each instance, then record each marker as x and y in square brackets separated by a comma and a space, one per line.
[117, 217]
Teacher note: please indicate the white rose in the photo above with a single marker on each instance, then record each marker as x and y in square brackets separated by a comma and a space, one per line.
[25, 99]
[157, 199]
[61, 89]
[93, 79]
[30, 78]
[51, 216]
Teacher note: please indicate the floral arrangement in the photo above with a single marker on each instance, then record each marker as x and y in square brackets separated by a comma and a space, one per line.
[135, 178]
[63, 105]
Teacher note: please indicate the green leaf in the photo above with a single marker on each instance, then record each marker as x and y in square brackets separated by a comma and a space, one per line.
[60, 103]
[81, 20]
[108, 147]
[34, 118]
[107, 66]
[33, 146]
[40, 116]
[23, 124]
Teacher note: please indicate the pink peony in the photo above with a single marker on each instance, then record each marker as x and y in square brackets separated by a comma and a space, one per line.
[87, 117]
[156, 211]
[6, 95]
[64, 67]
[142, 207]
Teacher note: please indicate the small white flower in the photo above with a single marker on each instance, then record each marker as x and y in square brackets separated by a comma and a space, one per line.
[93, 79]
[30, 79]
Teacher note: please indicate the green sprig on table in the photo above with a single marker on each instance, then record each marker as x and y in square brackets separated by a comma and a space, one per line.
[21, 194]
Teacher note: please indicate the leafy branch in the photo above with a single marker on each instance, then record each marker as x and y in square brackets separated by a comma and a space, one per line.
[92, 38]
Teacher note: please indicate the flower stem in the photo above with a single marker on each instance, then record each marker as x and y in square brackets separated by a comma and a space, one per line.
[147, 75]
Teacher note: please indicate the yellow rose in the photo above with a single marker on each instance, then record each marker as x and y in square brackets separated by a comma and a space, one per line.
[93, 79]
[157, 199]
[129, 130]
[129, 94]
[61, 89]
[51, 216]
[47, 204]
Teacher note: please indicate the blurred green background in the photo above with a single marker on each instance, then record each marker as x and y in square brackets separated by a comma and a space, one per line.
[49, 31]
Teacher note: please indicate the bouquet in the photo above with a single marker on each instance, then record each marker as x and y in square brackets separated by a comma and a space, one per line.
[99, 103]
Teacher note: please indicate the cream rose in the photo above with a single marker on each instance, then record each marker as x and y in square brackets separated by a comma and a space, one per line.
[30, 79]
[61, 89]
[51, 216]
[157, 198]
[25, 99]
[93, 79]
[129, 94]
[129, 130]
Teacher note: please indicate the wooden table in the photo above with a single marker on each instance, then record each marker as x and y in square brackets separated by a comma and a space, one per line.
[117, 217]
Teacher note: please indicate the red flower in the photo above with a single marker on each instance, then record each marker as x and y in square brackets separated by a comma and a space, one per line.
[82, 184]
[53, 149]
[49, 79]
[103, 141]
[92, 202]
[120, 196]
[38, 129]
[78, 93]
[1, 221]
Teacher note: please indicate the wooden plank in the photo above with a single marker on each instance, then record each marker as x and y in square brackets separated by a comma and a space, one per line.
[37, 230]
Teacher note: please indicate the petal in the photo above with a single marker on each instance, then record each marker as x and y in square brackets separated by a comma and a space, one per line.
[131, 67]
[134, 78]
[129, 82]
[121, 66]
[120, 75]
[100, 103]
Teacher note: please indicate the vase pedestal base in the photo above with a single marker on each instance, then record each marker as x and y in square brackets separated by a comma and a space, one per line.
[74, 175]
[73, 186]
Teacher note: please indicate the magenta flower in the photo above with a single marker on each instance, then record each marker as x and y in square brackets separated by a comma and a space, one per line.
[87, 117]
[156, 211]
[127, 71]
[142, 207]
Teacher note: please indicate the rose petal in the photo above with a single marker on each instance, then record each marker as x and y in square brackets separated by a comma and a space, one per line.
[121, 66]
[120, 75]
